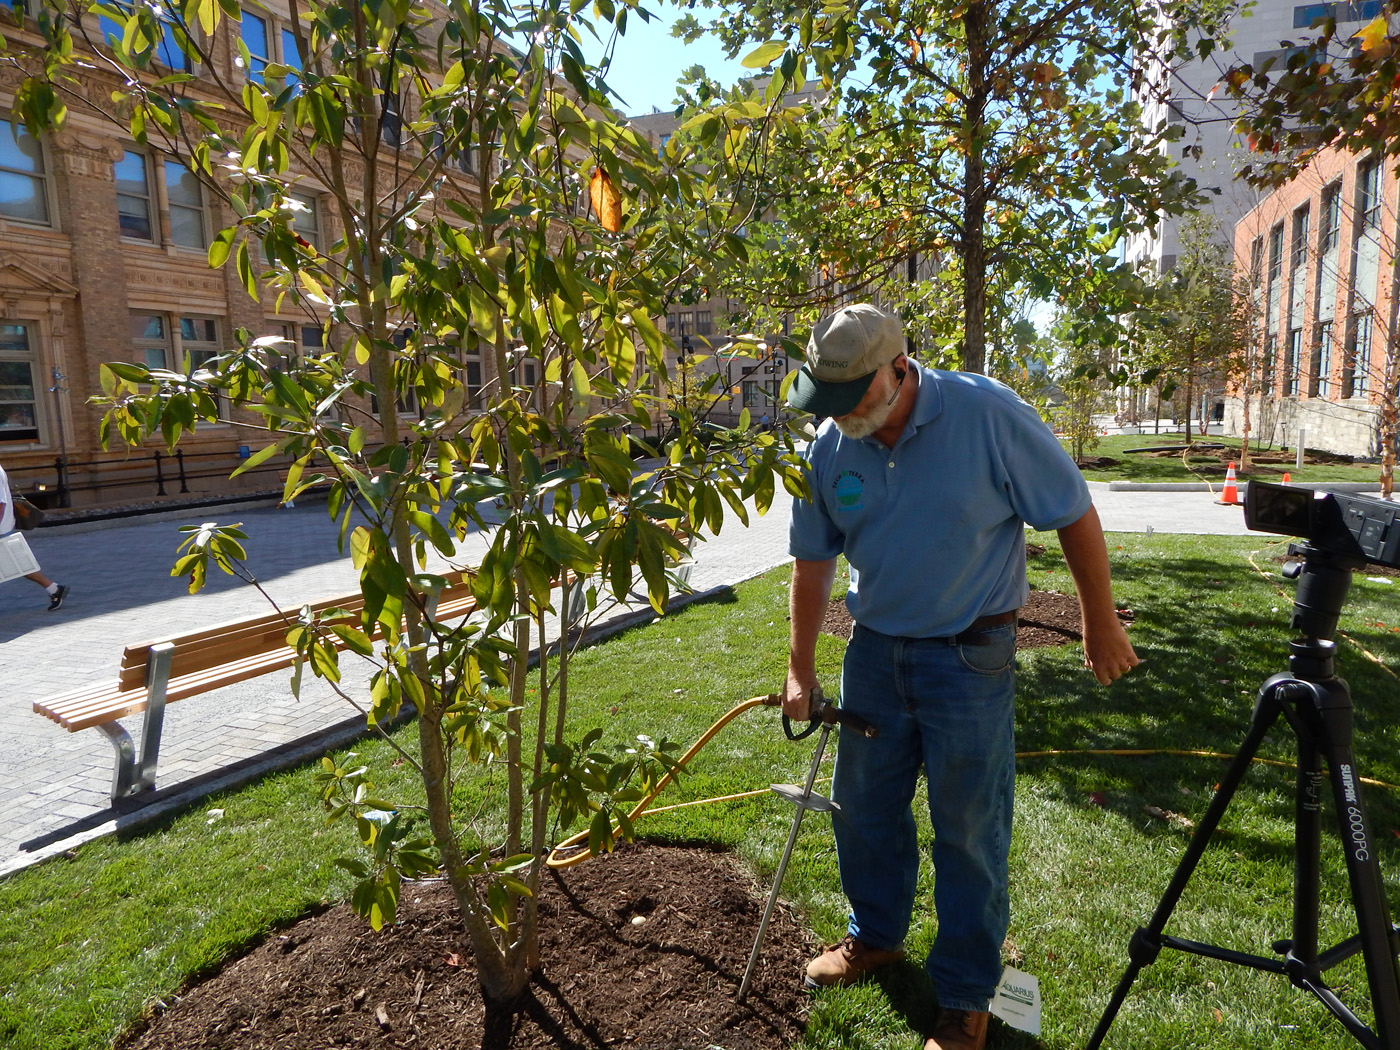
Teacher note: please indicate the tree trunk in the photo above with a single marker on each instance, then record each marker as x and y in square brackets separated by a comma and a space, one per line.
[974, 241]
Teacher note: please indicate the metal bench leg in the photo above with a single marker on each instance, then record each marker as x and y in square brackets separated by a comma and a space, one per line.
[157, 678]
[131, 777]
[124, 774]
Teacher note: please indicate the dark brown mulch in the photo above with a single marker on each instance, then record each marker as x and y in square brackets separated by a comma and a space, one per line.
[1048, 618]
[645, 948]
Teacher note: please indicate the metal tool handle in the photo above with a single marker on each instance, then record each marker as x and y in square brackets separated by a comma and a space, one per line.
[824, 711]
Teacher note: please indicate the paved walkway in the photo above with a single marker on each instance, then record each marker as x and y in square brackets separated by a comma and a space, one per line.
[54, 785]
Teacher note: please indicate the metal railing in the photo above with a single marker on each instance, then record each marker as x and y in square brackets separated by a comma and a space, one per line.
[158, 473]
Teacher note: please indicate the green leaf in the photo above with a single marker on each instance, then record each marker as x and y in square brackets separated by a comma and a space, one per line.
[764, 54]
[244, 265]
[220, 247]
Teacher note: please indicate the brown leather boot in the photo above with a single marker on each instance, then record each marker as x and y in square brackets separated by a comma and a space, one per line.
[959, 1030]
[848, 962]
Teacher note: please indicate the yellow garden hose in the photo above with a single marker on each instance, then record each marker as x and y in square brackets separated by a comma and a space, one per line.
[772, 700]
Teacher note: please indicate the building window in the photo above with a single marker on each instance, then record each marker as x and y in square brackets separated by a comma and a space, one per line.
[256, 42]
[150, 339]
[460, 156]
[134, 196]
[1361, 355]
[1295, 360]
[160, 344]
[391, 121]
[167, 50]
[291, 56]
[1275, 253]
[305, 218]
[185, 196]
[1256, 264]
[313, 337]
[1299, 257]
[19, 393]
[1331, 217]
[198, 340]
[24, 191]
[1322, 361]
[1309, 15]
[703, 324]
[1368, 194]
[751, 395]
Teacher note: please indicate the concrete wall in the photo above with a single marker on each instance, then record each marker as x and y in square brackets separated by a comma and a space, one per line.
[1347, 427]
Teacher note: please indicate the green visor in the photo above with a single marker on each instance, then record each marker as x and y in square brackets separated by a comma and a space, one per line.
[822, 397]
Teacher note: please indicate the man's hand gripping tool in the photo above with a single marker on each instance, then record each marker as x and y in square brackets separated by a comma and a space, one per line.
[823, 716]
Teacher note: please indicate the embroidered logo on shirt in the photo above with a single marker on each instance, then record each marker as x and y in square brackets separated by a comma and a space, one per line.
[848, 487]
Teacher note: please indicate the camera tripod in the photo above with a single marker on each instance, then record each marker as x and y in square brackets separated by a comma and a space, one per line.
[1317, 706]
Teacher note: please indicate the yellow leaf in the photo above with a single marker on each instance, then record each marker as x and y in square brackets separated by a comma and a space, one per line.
[606, 200]
[1374, 41]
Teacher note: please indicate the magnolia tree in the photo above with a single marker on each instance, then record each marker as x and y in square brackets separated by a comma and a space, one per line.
[493, 213]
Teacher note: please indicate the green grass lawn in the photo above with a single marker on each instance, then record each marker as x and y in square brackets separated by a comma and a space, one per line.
[88, 940]
[1206, 466]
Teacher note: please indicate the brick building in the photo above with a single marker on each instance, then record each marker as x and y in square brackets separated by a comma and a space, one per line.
[103, 257]
[1319, 254]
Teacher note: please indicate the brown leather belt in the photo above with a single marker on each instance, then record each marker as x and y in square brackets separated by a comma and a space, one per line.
[976, 632]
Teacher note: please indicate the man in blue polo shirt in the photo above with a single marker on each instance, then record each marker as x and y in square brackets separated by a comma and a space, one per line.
[925, 480]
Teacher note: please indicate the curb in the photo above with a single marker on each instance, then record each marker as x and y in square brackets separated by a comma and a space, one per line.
[1201, 486]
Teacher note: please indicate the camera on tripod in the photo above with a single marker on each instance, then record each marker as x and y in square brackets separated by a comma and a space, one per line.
[1340, 533]
[1359, 528]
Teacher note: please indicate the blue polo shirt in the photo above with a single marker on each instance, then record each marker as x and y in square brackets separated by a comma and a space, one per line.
[934, 528]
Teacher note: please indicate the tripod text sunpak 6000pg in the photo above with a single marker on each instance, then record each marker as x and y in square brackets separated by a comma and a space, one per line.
[1342, 533]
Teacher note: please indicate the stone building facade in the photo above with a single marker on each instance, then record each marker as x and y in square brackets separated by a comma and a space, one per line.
[1319, 255]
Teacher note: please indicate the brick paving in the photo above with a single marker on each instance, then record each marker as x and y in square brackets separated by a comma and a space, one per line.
[55, 784]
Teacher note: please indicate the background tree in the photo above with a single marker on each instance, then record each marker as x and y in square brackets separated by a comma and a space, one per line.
[997, 142]
[1079, 376]
[489, 208]
[1196, 330]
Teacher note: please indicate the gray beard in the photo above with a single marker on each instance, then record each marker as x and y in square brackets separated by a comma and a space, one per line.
[858, 427]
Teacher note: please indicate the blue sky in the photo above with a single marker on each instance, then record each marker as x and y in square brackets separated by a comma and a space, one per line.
[648, 60]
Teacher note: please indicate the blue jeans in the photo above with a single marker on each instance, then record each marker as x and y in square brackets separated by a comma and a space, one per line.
[946, 709]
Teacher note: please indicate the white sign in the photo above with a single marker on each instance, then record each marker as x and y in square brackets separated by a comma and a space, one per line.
[1017, 1001]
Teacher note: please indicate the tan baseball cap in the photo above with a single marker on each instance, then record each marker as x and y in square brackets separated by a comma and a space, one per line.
[847, 348]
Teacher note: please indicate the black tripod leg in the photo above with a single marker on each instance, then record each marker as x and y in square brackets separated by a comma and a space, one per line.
[1363, 869]
[1146, 942]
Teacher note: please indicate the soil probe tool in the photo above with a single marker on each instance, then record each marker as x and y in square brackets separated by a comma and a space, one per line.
[824, 716]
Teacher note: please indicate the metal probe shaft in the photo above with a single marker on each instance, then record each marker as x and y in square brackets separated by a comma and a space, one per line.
[782, 864]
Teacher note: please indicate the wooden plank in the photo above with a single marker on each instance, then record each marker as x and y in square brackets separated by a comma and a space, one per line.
[211, 658]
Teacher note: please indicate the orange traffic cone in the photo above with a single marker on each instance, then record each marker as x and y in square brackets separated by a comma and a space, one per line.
[1285, 477]
[1229, 495]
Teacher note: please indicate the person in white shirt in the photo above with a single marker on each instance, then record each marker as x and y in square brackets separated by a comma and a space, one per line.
[56, 591]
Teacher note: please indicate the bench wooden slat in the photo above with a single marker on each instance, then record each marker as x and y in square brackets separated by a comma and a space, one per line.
[213, 646]
[253, 651]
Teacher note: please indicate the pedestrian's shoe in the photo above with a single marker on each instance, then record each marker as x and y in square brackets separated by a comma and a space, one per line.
[959, 1030]
[848, 962]
[56, 601]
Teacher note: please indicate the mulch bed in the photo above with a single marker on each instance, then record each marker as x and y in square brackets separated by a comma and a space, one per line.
[645, 948]
[642, 949]
[1048, 618]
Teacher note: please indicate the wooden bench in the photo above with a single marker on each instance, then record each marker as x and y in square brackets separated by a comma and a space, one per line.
[153, 674]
